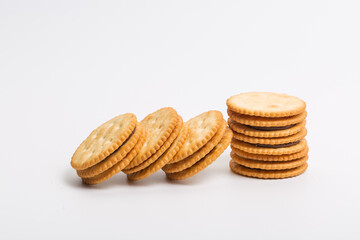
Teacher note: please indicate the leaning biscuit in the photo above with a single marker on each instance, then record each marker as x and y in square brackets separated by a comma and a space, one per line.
[265, 132]
[103, 141]
[268, 165]
[116, 156]
[267, 174]
[158, 125]
[202, 128]
[266, 122]
[193, 158]
[118, 166]
[266, 104]
[159, 152]
[164, 159]
[206, 161]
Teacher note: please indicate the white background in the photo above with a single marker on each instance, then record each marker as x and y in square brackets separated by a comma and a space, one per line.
[68, 66]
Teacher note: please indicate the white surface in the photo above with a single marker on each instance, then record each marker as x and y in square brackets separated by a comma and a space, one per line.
[67, 67]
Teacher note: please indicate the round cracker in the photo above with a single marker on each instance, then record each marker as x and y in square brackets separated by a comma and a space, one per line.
[278, 158]
[266, 122]
[249, 131]
[266, 165]
[164, 159]
[103, 141]
[267, 174]
[158, 125]
[271, 141]
[202, 128]
[118, 166]
[206, 161]
[250, 148]
[132, 169]
[266, 104]
[116, 156]
[192, 159]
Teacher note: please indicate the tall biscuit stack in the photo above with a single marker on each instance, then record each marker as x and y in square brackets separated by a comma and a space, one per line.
[160, 140]
[269, 135]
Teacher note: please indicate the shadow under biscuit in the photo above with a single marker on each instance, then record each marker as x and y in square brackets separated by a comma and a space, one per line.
[72, 180]
[154, 179]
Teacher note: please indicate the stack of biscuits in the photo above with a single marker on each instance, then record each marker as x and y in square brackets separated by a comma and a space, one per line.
[109, 149]
[269, 135]
[160, 141]
[208, 138]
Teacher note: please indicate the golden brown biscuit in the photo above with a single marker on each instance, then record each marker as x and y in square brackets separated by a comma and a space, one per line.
[266, 122]
[158, 125]
[159, 152]
[266, 104]
[116, 156]
[202, 128]
[267, 165]
[103, 141]
[250, 148]
[117, 167]
[279, 158]
[252, 132]
[193, 158]
[267, 174]
[206, 161]
[165, 157]
[271, 141]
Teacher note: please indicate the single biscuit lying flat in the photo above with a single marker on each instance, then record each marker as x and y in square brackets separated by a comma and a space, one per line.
[206, 161]
[202, 128]
[266, 122]
[268, 165]
[103, 141]
[271, 141]
[116, 156]
[158, 125]
[279, 158]
[250, 148]
[266, 104]
[164, 159]
[159, 152]
[269, 133]
[267, 174]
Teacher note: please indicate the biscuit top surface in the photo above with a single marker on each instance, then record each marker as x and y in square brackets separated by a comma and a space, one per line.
[159, 126]
[266, 104]
[103, 141]
[202, 128]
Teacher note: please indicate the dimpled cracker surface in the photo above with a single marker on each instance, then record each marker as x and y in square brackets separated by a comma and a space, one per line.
[268, 165]
[268, 151]
[164, 159]
[271, 141]
[129, 169]
[267, 174]
[266, 122]
[279, 158]
[206, 161]
[266, 104]
[202, 128]
[103, 141]
[158, 125]
[193, 158]
[118, 166]
[116, 156]
[251, 132]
